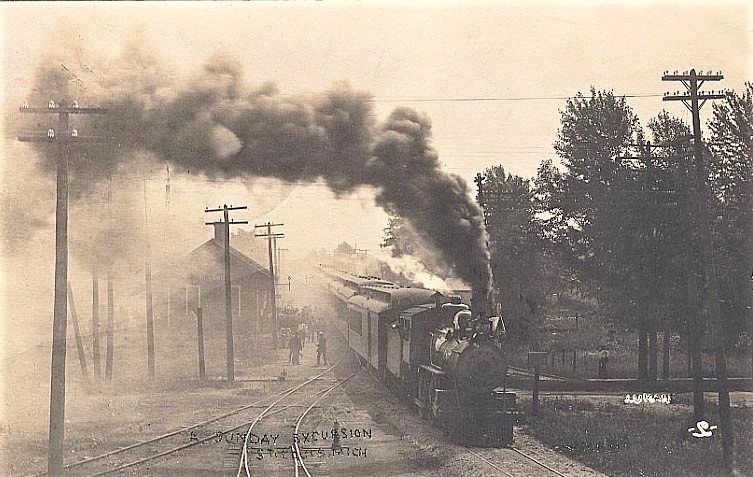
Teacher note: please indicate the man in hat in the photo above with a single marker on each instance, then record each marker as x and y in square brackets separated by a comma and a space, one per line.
[295, 349]
[321, 348]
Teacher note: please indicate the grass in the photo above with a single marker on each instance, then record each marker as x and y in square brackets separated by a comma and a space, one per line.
[628, 441]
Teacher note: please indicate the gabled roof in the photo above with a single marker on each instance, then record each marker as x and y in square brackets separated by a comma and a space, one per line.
[208, 259]
[254, 267]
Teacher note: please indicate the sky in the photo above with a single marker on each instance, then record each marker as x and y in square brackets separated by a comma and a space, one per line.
[492, 76]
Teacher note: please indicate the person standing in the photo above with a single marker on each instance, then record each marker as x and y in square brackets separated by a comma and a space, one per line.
[295, 349]
[603, 361]
[321, 348]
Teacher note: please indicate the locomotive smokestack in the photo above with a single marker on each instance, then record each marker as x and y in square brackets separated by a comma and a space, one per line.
[437, 296]
[479, 302]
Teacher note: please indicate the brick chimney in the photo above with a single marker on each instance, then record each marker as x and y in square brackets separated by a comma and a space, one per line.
[219, 233]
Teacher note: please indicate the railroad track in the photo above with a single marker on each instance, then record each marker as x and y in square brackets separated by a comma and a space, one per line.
[244, 465]
[507, 469]
[299, 462]
[159, 447]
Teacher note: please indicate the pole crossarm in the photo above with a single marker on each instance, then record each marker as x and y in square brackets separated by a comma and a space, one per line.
[64, 139]
[221, 209]
[686, 97]
[59, 110]
[686, 76]
[232, 222]
[277, 235]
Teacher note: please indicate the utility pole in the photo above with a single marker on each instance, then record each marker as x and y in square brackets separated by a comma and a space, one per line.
[273, 282]
[65, 138]
[365, 257]
[692, 82]
[200, 341]
[148, 284]
[110, 325]
[276, 256]
[228, 294]
[278, 267]
[95, 318]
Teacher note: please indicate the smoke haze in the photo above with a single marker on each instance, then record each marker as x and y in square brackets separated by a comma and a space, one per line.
[216, 125]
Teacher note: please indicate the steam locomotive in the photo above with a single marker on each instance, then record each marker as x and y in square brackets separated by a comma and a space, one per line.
[432, 351]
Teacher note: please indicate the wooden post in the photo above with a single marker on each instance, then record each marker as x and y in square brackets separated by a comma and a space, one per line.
[110, 338]
[574, 360]
[642, 350]
[535, 402]
[148, 290]
[77, 332]
[200, 337]
[665, 354]
[652, 354]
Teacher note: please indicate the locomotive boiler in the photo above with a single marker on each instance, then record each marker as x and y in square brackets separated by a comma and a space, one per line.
[476, 366]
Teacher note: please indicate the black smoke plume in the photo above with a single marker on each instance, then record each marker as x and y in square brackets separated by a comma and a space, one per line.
[214, 124]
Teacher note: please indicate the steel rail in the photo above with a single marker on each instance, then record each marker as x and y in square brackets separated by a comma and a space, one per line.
[537, 461]
[167, 435]
[197, 442]
[298, 459]
[489, 463]
[243, 464]
[495, 466]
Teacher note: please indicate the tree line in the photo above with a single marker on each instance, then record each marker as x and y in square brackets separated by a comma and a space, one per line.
[612, 219]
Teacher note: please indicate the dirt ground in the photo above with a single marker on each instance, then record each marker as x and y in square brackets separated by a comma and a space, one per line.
[128, 410]
[101, 416]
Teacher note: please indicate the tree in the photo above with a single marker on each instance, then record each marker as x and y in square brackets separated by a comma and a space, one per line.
[585, 209]
[514, 247]
[398, 239]
[731, 178]
[674, 301]
[345, 248]
[401, 239]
